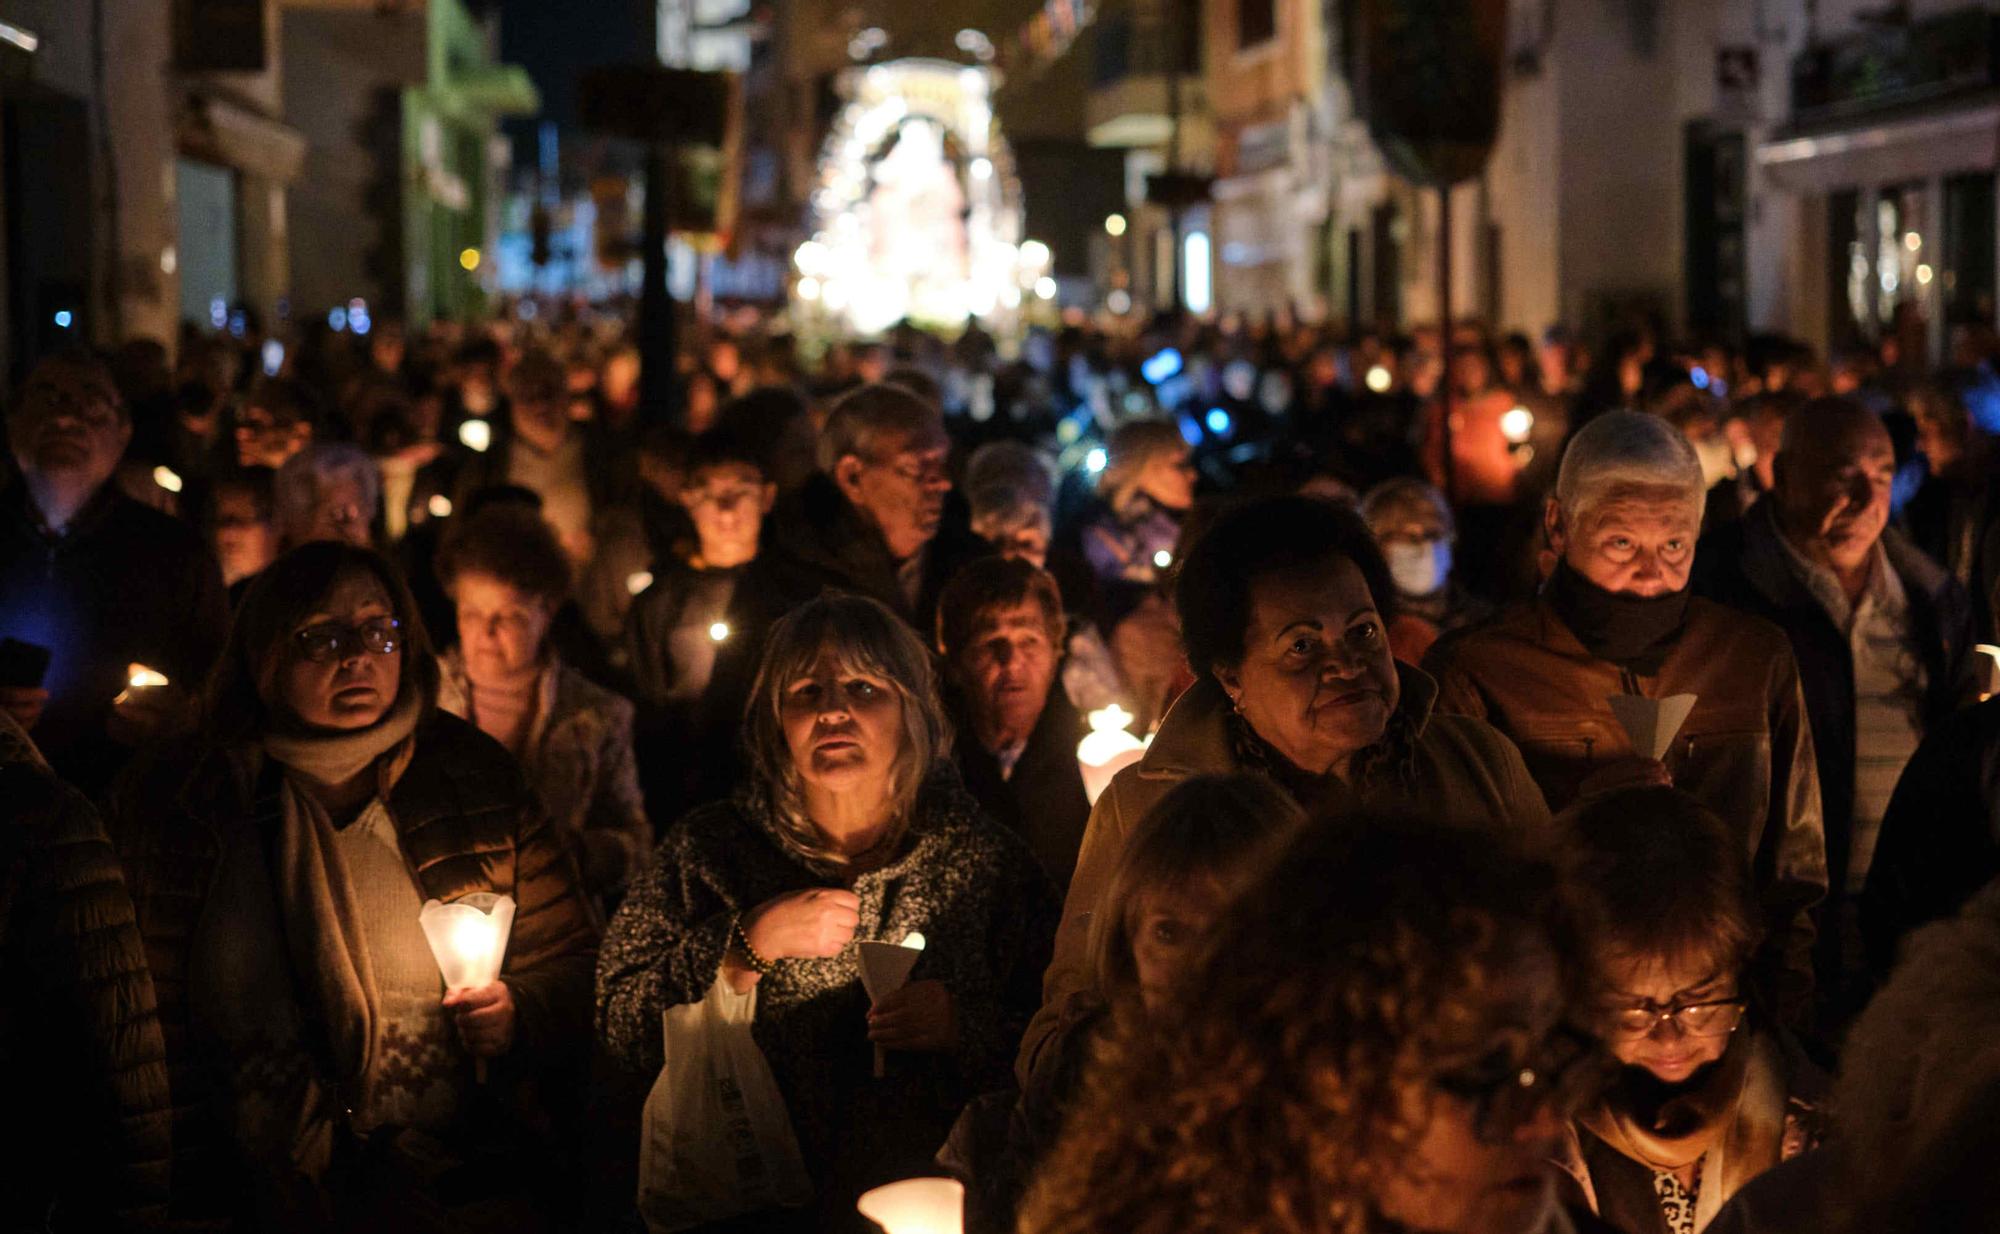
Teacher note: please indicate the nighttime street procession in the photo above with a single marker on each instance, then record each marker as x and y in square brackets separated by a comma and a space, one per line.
[1000, 616]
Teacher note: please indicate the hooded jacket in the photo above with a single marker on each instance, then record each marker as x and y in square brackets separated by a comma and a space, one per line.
[1458, 767]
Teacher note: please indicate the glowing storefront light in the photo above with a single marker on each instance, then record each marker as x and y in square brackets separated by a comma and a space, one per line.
[917, 208]
[1194, 254]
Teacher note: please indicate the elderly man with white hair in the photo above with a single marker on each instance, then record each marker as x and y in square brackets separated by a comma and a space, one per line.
[327, 491]
[1616, 620]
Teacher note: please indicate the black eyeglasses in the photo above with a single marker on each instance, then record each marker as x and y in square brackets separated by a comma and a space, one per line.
[333, 640]
[1505, 1091]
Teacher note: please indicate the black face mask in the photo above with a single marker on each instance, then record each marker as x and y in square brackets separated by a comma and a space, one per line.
[1634, 632]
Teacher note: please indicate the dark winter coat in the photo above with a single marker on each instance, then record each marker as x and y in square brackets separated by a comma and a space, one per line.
[974, 892]
[1043, 801]
[80, 1045]
[466, 821]
[123, 584]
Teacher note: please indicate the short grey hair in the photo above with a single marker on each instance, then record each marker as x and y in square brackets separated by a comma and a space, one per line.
[296, 488]
[1626, 449]
[862, 422]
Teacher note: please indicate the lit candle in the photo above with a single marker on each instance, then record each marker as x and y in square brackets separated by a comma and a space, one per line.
[468, 938]
[1107, 749]
[718, 632]
[917, 1206]
[476, 434]
[1516, 423]
[885, 969]
[137, 678]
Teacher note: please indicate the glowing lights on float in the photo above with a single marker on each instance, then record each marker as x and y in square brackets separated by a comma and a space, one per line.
[917, 210]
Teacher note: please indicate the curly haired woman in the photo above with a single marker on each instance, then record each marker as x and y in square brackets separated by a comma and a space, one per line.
[1373, 1041]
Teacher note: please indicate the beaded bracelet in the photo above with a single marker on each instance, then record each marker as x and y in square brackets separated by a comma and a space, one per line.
[755, 962]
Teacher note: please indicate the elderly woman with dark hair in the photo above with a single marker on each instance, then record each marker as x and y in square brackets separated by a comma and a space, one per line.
[852, 826]
[507, 575]
[1283, 606]
[1373, 1039]
[279, 868]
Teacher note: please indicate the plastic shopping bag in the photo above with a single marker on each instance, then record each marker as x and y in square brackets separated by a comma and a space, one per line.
[716, 1140]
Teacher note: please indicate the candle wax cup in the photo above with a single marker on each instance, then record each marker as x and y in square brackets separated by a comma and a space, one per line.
[468, 937]
[917, 1206]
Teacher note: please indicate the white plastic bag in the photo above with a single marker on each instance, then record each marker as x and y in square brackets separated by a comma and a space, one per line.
[716, 1140]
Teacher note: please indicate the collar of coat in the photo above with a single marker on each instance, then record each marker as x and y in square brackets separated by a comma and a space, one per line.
[1765, 568]
[1194, 738]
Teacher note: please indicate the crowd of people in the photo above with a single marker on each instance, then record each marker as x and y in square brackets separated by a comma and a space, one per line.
[1567, 800]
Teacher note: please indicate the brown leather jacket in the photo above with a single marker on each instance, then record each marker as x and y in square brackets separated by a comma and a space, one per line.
[1745, 751]
[1461, 769]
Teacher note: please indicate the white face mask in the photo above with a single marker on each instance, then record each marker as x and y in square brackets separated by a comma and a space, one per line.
[1419, 569]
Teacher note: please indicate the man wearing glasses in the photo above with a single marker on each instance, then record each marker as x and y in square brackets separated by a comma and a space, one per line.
[92, 582]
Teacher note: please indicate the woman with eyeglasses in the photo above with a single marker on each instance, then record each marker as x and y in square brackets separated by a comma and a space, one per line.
[1373, 1039]
[319, 1067]
[1706, 1097]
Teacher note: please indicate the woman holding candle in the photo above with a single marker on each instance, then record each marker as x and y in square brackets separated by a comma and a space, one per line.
[1708, 1097]
[853, 826]
[1283, 606]
[508, 575]
[1372, 1040]
[279, 884]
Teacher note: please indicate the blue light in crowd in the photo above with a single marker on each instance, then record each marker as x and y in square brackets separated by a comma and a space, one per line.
[1190, 431]
[357, 316]
[218, 312]
[1161, 365]
[336, 318]
[1218, 421]
[1699, 376]
[1094, 461]
[64, 319]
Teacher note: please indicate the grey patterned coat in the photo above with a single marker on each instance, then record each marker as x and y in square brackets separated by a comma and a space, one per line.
[579, 763]
[974, 891]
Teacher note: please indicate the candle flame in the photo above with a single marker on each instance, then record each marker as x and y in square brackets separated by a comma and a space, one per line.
[139, 677]
[914, 941]
[719, 631]
[1110, 719]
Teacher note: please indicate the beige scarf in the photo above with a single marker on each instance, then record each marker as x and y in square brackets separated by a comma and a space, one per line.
[1735, 1119]
[279, 975]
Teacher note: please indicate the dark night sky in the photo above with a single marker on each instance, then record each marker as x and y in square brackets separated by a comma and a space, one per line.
[557, 41]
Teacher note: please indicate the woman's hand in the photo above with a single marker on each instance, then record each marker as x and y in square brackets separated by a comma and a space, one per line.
[920, 1016]
[804, 925]
[485, 1018]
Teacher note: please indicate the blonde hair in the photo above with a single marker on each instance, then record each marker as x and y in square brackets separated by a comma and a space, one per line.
[865, 637]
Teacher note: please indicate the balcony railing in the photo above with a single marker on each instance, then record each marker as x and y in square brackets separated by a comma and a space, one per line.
[1896, 66]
